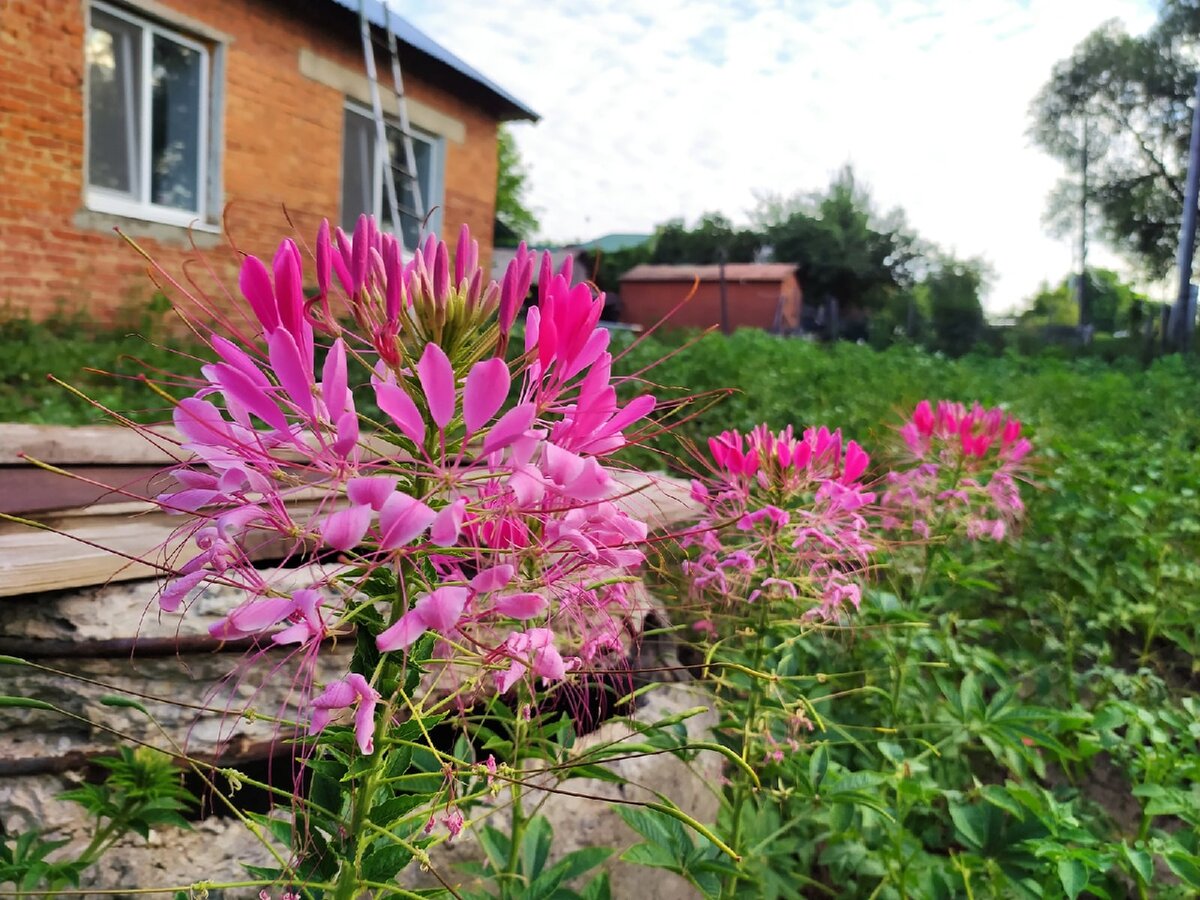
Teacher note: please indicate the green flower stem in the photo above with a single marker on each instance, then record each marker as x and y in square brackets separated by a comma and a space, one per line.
[517, 818]
[741, 791]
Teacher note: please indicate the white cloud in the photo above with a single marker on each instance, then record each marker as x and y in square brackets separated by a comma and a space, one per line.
[653, 110]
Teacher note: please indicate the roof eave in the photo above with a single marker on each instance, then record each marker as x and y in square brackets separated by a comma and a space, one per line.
[505, 106]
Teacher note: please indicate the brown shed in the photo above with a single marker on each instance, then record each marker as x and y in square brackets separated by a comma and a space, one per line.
[758, 295]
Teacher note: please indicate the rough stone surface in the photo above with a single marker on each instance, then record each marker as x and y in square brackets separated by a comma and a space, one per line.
[216, 848]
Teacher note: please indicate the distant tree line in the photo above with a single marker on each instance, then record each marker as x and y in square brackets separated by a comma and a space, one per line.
[874, 267]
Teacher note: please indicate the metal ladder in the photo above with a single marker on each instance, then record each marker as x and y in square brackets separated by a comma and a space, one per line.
[407, 171]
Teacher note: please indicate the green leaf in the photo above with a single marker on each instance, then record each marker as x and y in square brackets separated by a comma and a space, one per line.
[577, 862]
[818, 765]
[1186, 866]
[599, 888]
[383, 863]
[998, 796]
[971, 824]
[654, 855]
[535, 846]
[1073, 875]
[496, 845]
[387, 813]
[1141, 862]
[971, 696]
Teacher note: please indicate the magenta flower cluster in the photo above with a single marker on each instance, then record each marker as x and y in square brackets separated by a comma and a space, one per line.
[796, 506]
[962, 474]
[484, 488]
[792, 518]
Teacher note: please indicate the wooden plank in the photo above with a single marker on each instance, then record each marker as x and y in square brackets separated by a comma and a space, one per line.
[29, 491]
[62, 445]
[98, 549]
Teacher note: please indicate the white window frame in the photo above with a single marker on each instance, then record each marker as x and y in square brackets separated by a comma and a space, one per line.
[105, 200]
[434, 202]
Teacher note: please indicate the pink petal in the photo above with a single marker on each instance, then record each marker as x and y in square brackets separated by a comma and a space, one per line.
[236, 357]
[289, 291]
[486, 389]
[346, 428]
[260, 614]
[255, 283]
[549, 664]
[492, 579]
[400, 409]
[364, 727]
[403, 634]
[373, 491]
[505, 680]
[635, 409]
[240, 389]
[202, 423]
[437, 379]
[401, 519]
[289, 368]
[441, 609]
[345, 528]
[855, 463]
[333, 380]
[324, 255]
[509, 427]
[520, 606]
[172, 595]
[448, 524]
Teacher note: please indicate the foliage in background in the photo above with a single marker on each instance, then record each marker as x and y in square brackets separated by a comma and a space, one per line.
[1132, 96]
[515, 220]
[141, 790]
[88, 357]
[1043, 740]
[952, 289]
[844, 248]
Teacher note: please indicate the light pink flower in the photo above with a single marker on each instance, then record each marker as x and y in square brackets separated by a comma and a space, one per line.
[353, 690]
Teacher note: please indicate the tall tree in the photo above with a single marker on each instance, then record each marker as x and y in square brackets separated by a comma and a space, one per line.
[953, 288]
[515, 221]
[1131, 96]
[844, 249]
[714, 238]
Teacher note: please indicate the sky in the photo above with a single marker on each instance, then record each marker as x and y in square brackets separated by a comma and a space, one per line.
[657, 109]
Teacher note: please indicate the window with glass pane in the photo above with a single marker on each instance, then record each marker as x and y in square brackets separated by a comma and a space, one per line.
[114, 49]
[363, 187]
[148, 115]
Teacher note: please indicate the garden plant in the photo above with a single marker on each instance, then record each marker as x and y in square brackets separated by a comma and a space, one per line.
[928, 627]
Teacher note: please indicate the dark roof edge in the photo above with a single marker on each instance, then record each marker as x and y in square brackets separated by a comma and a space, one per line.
[510, 107]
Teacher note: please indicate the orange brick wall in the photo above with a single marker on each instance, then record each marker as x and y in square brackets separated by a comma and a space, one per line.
[282, 146]
[751, 304]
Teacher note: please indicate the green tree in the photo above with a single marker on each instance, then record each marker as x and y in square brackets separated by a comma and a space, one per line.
[952, 291]
[515, 221]
[674, 243]
[1112, 301]
[844, 250]
[1130, 96]
[713, 237]
[1052, 306]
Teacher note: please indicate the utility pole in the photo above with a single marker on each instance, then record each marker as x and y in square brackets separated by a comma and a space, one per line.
[722, 256]
[1085, 313]
[1184, 314]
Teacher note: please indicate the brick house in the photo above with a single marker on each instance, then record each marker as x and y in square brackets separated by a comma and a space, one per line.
[180, 122]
